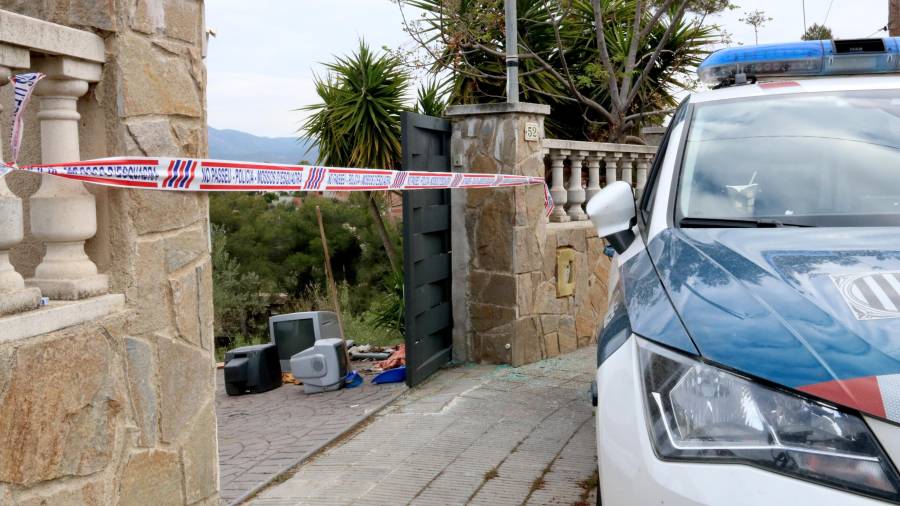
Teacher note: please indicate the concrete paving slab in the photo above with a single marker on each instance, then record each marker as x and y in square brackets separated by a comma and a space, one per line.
[470, 435]
[264, 435]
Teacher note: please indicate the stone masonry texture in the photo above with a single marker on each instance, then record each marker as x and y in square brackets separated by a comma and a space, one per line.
[121, 410]
[506, 308]
[476, 434]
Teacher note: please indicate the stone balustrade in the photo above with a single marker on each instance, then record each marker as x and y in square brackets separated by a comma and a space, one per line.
[107, 393]
[63, 214]
[578, 170]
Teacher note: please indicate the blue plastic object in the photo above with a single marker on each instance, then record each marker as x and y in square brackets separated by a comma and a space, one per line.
[804, 58]
[353, 380]
[391, 376]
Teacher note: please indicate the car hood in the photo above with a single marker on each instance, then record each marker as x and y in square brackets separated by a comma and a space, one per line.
[814, 309]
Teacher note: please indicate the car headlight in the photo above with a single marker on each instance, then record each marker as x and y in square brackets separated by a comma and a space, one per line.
[700, 413]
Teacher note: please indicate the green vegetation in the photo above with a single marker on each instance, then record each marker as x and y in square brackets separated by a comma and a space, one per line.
[757, 19]
[606, 67]
[431, 96]
[268, 256]
[281, 244]
[357, 122]
[817, 32]
[267, 259]
[589, 485]
[238, 296]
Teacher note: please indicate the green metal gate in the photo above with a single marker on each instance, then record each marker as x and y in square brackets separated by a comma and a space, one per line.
[426, 249]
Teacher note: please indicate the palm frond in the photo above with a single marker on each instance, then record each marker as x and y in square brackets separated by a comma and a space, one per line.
[357, 122]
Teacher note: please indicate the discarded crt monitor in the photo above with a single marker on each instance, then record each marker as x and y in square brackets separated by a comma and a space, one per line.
[252, 369]
[322, 367]
[295, 332]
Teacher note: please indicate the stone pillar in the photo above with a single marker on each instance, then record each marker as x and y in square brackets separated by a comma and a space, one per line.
[498, 234]
[136, 412]
[14, 296]
[653, 135]
[63, 212]
[558, 185]
[612, 161]
[576, 191]
[893, 18]
[593, 165]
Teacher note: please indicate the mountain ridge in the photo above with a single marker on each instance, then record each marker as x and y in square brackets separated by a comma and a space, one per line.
[230, 144]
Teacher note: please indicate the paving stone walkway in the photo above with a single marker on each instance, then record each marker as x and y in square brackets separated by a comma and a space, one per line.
[261, 436]
[470, 435]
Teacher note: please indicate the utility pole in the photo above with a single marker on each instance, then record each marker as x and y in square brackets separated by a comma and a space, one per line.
[512, 52]
[804, 16]
[893, 17]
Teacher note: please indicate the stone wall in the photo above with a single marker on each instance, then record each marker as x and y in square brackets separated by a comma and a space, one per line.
[506, 307]
[572, 321]
[120, 409]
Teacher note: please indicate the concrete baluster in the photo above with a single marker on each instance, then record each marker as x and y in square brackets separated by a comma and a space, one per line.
[14, 296]
[627, 170]
[576, 191]
[593, 165]
[63, 212]
[612, 161]
[557, 185]
[643, 167]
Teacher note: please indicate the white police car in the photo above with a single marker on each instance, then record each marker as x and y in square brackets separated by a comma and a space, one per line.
[751, 353]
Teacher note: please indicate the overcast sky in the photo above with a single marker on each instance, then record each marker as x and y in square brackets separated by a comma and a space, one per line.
[262, 60]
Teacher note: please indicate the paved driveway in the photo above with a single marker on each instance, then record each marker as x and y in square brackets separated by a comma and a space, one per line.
[471, 435]
[262, 435]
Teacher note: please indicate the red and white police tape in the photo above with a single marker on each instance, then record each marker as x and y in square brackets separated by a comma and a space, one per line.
[189, 174]
[23, 86]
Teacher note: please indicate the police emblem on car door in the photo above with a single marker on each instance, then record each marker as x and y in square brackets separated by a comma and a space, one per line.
[872, 295]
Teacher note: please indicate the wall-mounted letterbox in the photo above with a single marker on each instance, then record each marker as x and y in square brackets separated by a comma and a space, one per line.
[565, 272]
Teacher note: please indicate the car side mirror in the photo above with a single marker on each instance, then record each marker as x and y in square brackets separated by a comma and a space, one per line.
[613, 214]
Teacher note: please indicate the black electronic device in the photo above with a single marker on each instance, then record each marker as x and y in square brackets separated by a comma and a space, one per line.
[252, 369]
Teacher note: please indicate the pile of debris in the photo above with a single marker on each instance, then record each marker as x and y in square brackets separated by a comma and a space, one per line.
[378, 358]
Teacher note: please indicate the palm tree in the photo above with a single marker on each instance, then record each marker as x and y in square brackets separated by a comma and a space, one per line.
[431, 98]
[605, 66]
[357, 122]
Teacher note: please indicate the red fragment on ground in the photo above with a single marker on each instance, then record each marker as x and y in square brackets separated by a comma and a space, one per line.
[397, 359]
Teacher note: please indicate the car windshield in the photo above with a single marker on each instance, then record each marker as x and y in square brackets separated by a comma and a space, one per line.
[814, 159]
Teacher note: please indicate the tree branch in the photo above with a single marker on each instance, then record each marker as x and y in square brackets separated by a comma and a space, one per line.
[649, 26]
[604, 54]
[657, 112]
[539, 91]
[659, 47]
[631, 58]
[630, 139]
[559, 44]
[569, 84]
[592, 122]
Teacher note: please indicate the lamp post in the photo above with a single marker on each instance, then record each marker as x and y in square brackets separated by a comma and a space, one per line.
[512, 53]
[804, 16]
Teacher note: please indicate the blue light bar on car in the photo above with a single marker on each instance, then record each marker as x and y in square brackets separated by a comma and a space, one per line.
[803, 59]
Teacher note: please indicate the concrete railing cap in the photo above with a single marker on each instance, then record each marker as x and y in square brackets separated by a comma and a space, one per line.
[604, 147]
[50, 38]
[498, 108]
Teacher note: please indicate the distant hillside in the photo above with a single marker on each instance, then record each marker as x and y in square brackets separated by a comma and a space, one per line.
[241, 146]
